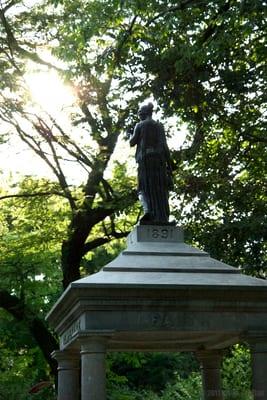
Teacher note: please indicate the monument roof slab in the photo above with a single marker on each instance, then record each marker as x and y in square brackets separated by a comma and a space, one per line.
[159, 273]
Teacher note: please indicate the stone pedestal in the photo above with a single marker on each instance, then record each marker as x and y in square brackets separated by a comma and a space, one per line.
[68, 374]
[211, 374]
[93, 377]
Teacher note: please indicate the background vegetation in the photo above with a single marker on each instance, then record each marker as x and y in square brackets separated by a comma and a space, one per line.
[203, 62]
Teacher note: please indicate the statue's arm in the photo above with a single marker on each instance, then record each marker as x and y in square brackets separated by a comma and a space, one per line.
[135, 136]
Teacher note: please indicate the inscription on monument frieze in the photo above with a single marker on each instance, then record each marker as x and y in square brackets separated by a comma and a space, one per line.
[159, 320]
[163, 320]
[70, 332]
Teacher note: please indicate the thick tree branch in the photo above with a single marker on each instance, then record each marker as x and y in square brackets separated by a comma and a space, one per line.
[89, 117]
[107, 189]
[72, 249]
[14, 306]
[212, 27]
[101, 160]
[75, 247]
[93, 244]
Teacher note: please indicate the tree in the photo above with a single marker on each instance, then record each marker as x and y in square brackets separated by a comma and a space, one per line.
[187, 64]
[31, 231]
[96, 200]
[215, 80]
[202, 60]
[31, 228]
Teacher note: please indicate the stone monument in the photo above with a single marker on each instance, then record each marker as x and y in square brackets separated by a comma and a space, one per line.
[159, 294]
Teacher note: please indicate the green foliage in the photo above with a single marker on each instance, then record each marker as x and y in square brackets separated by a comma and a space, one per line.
[182, 389]
[124, 393]
[223, 201]
[204, 62]
[152, 376]
[236, 374]
[31, 229]
[137, 367]
[179, 381]
[101, 256]
[21, 362]
[30, 271]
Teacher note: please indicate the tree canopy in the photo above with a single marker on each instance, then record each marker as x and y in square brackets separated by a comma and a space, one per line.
[203, 62]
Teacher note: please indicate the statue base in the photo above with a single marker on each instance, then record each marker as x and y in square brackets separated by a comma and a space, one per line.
[145, 220]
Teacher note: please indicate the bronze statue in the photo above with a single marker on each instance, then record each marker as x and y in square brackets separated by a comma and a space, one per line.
[154, 167]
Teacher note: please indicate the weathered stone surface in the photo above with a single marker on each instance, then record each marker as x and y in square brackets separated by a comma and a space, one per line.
[162, 294]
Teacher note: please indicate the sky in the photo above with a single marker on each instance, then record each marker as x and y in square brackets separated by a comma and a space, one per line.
[50, 93]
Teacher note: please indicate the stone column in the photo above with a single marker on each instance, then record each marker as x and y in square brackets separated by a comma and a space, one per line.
[68, 374]
[258, 346]
[210, 361]
[93, 383]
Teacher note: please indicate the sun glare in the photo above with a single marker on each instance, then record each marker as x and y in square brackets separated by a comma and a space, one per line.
[48, 91]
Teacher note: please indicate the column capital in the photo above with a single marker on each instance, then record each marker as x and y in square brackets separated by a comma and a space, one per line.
[67, 359]
[68, 374]
[94, 344]
[257, 341]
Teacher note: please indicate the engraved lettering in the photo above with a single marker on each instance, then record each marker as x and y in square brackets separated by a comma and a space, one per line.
[164, 233]
[162, 321]
[156, 319]
[75, 327]
[159, 234]
[155, 233]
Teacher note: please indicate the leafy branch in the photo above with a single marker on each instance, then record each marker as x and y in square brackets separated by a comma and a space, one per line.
[13, 44]
[181, 6]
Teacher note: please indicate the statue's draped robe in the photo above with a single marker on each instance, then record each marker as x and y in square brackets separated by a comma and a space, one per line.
[153, 158]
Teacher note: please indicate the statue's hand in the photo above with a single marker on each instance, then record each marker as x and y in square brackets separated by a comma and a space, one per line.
[129, 133]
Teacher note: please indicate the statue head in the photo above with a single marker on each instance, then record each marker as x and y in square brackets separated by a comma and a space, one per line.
[145, 111]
